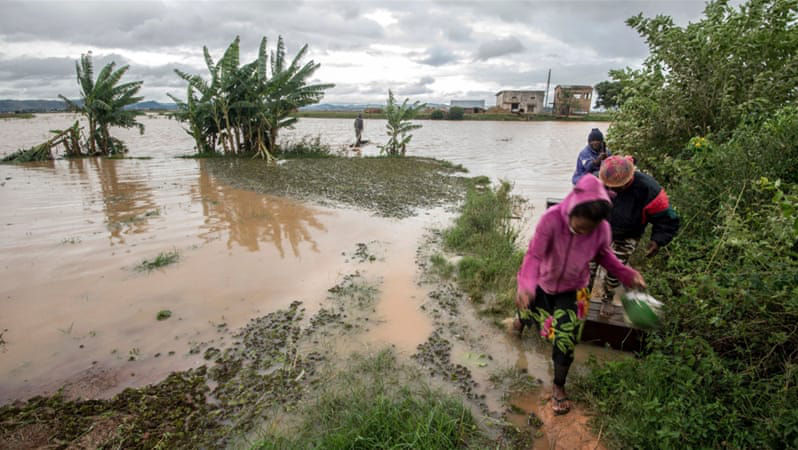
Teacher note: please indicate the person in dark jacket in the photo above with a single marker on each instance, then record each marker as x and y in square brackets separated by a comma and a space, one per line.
[590, 158]
[637, 201]
[358, 129]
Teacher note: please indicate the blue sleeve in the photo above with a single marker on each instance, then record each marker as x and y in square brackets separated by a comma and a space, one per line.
[580, 170]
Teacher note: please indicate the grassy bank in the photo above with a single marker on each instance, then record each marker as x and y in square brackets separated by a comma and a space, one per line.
[593, 117]
[376, 402]
[389, 186]
[487, 242]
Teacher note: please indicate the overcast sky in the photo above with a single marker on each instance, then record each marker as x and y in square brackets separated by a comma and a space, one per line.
[432, 51]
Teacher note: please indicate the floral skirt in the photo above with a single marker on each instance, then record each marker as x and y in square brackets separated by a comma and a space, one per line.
[560, 319]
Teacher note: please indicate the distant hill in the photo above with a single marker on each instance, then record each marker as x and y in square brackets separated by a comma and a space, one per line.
[7, 106]
[34, 106]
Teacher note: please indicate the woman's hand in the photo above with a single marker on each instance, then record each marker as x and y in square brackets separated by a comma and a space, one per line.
[523, 299]
[638, 282]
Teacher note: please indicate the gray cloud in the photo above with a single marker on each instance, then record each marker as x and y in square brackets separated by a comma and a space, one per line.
[499, 47]
[438, 56]
[579, 40]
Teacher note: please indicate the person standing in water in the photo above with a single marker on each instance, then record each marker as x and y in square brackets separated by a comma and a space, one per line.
[358, 129]
[555, 268]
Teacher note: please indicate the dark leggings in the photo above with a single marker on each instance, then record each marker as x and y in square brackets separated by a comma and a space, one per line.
[562, 307]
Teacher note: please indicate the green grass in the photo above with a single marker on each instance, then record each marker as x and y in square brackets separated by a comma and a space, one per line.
[377, 403]
[483, 235]
[163, 259]
[442, 267]
[17, 116]
[163, 314]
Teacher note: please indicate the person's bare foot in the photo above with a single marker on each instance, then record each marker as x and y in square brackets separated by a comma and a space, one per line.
[559, 400]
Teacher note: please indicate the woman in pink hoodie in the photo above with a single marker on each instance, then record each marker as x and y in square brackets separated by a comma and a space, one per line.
[566, 239]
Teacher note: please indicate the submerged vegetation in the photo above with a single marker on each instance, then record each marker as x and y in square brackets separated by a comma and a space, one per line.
[391, 187]
[163, 259]
[242, 108]
[712, 115]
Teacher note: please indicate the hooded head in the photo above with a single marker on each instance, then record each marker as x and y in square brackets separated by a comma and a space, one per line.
[586, 206]
[595, 135]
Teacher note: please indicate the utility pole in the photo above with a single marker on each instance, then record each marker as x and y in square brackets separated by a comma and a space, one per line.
[546, 95]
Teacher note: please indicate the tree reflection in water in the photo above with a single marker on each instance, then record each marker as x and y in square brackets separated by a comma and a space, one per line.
[251, 218]
[128, 204]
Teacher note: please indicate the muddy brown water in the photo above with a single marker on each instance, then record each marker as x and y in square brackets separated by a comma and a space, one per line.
[77, 312]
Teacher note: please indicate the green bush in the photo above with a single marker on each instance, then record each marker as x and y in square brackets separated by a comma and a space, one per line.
[722, 371]
[707, 77]
[306, 147]
[455, 113]
[437, 115]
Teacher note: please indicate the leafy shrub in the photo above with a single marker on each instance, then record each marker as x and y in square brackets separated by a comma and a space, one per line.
[455, 113]
[437, 115]
[708, 117]
[306, 147]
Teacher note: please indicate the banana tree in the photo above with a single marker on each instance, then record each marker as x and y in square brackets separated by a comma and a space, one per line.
[248, 104]
[103, 102]
[399, 125]
[288, 90]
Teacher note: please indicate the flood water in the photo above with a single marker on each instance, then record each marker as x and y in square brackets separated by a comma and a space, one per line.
[73, 307]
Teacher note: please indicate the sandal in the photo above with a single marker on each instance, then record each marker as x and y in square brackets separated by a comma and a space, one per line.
[560, 406]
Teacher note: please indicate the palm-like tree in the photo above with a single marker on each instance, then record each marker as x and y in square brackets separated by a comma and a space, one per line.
[399, 125]
[103, 102]
[246, 106]
[287, 89]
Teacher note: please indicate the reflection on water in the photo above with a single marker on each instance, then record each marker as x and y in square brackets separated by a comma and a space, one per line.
[250, 218]
[128, 202]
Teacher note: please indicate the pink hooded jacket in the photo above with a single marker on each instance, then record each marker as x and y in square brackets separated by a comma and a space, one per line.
[557, 259]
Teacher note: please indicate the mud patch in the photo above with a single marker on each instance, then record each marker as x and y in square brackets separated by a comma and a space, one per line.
[514, 399]
[262, 374]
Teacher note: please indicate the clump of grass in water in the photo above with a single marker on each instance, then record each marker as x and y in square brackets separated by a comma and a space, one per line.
[163, 259]
[376, 403]
[441, 266]
[163, 314]
[485, 237]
